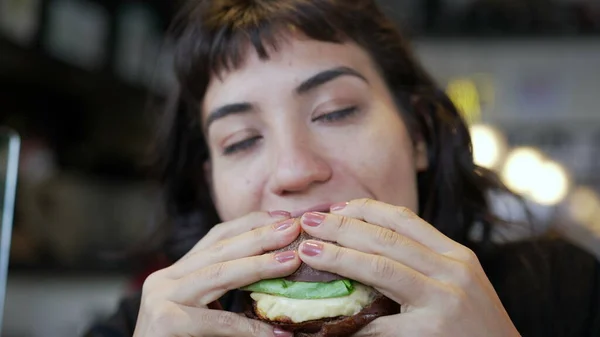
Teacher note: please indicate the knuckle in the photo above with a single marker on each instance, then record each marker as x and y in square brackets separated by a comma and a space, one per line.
[217, 248]
[226, 320]
[264, 238]
[255, 328]
[215, 272]
[463, 276]
[150, 299]
[210, 255]
[164, 318]
[387, 238]
[403, 212]
[259, 234]
[465, 255]
[383, 268]
[155, 290]
[365, 202]
[344, 224]
[338, 255]
[469, 256]
[217, 231]
[152, 280]
[455, 302]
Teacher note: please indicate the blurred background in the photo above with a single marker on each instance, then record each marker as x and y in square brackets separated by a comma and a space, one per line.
[77, 79]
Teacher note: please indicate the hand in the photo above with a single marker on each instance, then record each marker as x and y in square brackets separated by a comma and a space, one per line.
[181, 299]
[440, 284]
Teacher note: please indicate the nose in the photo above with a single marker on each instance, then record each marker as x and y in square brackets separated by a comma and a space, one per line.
[298, 166]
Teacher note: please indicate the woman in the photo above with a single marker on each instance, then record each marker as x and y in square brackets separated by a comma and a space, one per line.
[296, 108]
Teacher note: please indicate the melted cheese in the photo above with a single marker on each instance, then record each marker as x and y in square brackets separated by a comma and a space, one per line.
[277, 308]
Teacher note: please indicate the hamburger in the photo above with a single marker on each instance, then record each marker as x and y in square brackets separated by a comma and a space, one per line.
[314, 303]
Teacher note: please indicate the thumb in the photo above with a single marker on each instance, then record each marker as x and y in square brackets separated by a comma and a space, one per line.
[217, 323]
[390, 326]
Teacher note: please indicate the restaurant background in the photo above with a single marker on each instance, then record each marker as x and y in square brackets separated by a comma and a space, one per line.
[81, 81]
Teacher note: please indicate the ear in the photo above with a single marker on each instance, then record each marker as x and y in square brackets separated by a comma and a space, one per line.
[421, 155]
[421, 152]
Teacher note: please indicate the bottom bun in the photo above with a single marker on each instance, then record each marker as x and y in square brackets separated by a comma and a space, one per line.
[337, 326]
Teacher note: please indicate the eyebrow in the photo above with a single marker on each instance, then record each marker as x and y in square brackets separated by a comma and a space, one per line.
[304, 88]
[227, 110]
[325, 77]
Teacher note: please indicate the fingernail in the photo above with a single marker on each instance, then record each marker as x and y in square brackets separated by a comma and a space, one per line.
[312, 248]
[285, 256]
[338, 207]
[282, 333]
[280, 214]
[313, 219]
[281, 226]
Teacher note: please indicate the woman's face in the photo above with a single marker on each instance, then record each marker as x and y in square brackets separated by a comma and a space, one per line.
[312, 126]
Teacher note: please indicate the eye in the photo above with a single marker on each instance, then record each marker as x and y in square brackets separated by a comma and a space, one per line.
[337, 115]
[240, 146]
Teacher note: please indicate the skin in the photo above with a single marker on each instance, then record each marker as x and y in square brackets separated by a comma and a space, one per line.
[304, 153]
[298, 163]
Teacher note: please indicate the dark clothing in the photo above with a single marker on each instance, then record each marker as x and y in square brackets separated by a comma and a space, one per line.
[550, 288]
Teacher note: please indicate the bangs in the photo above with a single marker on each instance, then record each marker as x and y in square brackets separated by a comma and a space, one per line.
[215, 36]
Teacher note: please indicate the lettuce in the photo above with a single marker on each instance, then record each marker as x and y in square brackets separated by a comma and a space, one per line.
[302, 290]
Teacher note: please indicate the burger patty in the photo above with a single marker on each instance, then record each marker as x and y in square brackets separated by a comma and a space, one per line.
[277, 308]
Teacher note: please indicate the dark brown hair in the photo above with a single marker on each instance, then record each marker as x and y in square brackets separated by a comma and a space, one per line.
[212, 35]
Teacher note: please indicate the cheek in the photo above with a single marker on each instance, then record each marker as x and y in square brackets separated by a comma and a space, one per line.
[383, 161]
[236, 193]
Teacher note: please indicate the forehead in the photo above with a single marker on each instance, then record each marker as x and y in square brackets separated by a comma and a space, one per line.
[293, 60]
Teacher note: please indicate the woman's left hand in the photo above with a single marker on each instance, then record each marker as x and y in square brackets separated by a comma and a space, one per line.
[440, 284]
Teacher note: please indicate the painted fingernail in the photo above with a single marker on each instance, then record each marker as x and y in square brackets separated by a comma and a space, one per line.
[313, 219]
[285, 256]
[280, 214]
[282, 333]
[312, 248]
[338, 207]
[281, 226]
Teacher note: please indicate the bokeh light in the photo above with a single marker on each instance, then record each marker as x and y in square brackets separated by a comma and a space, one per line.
[528, 173]
[521, 168]
[551, 184]
[584, 205]
[489, 146]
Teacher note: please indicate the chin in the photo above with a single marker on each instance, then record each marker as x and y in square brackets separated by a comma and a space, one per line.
[316, 303]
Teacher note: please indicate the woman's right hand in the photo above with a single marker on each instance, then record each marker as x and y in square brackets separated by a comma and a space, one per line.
[176, 300]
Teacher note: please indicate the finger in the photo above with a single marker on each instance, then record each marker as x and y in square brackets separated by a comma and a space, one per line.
[382, 327]
[406, 324]
[359, 235]
[222, 323]
[399, 219]
[255, 242]
[393, 279]
[238, 226]
[210, 283]
[403, 221]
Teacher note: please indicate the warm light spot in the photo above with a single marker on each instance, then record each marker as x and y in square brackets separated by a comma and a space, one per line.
[584, 205]
[521, 167]
[489, 146]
